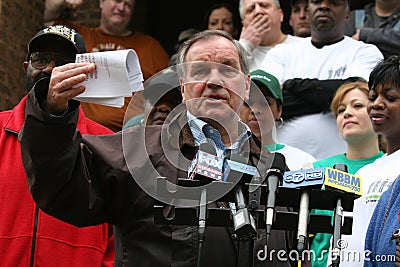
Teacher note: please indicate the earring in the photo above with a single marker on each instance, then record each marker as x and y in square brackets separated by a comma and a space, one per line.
[280, 122]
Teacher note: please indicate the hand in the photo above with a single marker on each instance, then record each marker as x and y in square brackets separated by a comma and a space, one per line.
[356, 36]
[74, 5]
[64, 85]
[255, 30]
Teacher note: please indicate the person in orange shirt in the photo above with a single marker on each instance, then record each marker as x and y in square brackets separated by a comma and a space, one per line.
[113, 33]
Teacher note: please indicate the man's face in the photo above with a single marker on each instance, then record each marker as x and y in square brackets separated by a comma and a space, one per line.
[268, 8]
[156, 114]
[41, 63]
[117, 12]
[327, 18]
[260, 113]
[214, 87]
[299, 19]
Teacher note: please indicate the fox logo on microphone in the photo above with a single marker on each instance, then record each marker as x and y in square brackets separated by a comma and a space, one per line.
[207, 165]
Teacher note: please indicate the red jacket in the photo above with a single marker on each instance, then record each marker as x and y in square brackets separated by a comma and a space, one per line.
[28, 236]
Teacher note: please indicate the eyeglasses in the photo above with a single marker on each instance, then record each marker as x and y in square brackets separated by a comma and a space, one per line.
[41, 60]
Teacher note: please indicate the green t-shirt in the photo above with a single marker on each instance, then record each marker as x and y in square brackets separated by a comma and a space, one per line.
[321, 242]
[137, 120]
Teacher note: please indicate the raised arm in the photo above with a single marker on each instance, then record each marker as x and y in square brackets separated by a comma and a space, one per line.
[53, 9]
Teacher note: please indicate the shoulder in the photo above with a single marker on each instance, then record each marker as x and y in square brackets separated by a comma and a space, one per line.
[291, 46]
[348, 41]
[87, 126]
[329, 161]
[148, 38]
[298, 151]
[4, 115]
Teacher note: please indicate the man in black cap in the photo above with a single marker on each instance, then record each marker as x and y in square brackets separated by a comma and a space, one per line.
[28, 236]
[162, 94]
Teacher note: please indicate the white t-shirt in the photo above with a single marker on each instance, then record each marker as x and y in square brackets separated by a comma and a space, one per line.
[295, 158]
[260, 52]
[376, 178]
[317, 134]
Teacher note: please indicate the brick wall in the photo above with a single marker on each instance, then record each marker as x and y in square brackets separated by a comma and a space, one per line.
[19, 21]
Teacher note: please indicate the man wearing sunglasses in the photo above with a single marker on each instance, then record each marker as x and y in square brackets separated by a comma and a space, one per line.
[28, 236]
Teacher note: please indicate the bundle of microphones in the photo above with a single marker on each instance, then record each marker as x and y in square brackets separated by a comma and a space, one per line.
[208, 167]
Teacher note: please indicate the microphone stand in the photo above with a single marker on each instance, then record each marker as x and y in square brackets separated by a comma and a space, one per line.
[337, 233]
[254, 204]
[202, 222]
[337, 225]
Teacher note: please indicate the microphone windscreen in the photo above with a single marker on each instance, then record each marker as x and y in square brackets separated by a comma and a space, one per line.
[278, 161]
[238, 158]
[340, 167]
[208, 147]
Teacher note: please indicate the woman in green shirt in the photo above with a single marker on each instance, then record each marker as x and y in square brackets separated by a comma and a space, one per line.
[349, 105]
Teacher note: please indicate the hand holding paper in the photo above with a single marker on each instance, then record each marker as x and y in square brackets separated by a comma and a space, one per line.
[117, 76]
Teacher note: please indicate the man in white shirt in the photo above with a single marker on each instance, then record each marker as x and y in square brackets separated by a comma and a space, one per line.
[261, 31]
[311, 70]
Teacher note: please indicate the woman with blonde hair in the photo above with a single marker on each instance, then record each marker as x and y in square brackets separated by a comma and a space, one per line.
[349, 105]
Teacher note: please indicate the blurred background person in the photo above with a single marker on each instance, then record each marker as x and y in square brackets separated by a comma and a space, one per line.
[298, 20]
[182, 37]
[115, 32]
[162, 94]
[260, 113]
[222, 16]
[379, 24]
[311, 70]
[261, 29]
[349, 105]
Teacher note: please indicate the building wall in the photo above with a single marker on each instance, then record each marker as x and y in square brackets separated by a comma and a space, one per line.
[19, 21]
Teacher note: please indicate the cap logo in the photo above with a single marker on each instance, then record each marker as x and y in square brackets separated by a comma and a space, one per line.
[63, 31]
[260, 77]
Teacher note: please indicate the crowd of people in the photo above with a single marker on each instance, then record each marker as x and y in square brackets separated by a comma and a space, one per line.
[80, 181]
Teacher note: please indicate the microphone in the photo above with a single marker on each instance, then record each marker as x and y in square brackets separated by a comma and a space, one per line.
[337, 224]
[314, 180]
[274, 177]
[328, 178]
[206, 167]
[237, 171]
[319, 178]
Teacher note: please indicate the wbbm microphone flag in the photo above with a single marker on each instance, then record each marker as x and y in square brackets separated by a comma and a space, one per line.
[327, 177]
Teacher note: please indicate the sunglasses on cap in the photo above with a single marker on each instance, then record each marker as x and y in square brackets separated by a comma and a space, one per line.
[40, 60]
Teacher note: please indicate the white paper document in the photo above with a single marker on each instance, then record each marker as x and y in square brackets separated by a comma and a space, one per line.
[117, 76]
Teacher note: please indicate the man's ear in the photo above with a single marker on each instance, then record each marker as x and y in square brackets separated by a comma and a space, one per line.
[347, 15]
[280, 109]
[247, 90]
[281, 15]
[182, 90]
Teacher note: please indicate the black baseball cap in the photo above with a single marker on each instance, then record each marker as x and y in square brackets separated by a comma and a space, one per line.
[58, 33]
[162, 84]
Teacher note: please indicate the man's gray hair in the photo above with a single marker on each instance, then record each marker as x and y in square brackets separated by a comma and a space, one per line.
[241, 3]
[209, 35]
